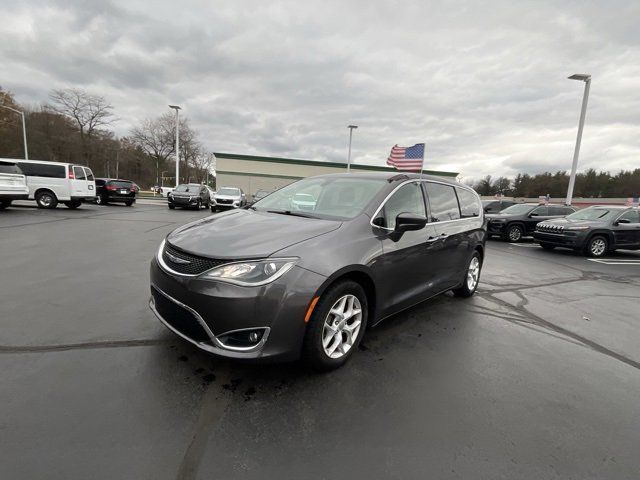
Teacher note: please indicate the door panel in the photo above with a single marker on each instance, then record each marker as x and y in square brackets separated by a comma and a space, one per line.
[628, 234]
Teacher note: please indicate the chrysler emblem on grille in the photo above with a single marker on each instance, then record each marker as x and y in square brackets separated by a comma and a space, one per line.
[175, 259]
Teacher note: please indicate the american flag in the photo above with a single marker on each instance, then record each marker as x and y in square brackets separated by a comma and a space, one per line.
[407, 158]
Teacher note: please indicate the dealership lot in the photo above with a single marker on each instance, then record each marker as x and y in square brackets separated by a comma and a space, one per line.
[537, 376]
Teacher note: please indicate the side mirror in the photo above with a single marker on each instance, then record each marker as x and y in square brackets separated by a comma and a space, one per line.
[409, 221]
[623, 220]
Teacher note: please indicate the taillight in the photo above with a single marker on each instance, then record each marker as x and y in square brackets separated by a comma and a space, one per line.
[109, 187]
[71, 175]
[133, 189]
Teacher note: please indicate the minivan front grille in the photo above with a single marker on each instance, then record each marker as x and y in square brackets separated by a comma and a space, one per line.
[187, 263]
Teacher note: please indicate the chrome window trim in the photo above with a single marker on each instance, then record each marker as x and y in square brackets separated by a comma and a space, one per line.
[218, 347]
[424, 180]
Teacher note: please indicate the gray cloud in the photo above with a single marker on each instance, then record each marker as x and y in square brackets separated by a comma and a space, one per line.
[483, 85]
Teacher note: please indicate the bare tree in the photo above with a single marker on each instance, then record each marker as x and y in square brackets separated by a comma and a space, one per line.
[90, 112]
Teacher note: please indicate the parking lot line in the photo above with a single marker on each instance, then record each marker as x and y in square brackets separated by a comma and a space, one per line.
[616, 261]
[525, 245]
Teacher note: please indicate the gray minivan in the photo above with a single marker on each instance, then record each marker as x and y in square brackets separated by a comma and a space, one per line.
[285, 279]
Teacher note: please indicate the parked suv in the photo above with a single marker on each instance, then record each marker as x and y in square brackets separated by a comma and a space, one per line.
[274, 282]
[189, 195]
[13, 184]
[593, 231]
[53, 182]
[521, 219]
[228, 197]
[112, 190]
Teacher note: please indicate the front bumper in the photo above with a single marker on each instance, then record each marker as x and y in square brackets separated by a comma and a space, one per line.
[209, 310]
[565, 239]
[496, 228]
[183, 202]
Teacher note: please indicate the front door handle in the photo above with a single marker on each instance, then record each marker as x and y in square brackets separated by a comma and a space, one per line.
[442, 236]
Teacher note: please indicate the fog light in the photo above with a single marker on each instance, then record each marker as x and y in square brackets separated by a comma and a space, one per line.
[242, 339]
[253, 337]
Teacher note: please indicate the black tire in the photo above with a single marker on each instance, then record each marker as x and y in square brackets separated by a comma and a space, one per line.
[465, 290]
[46, 199]
[171, 206]
[199, 205]
[214, 209]
[313, 353]
[597, 246]
[547, 246]
[514, 233]
[4, 204]
[73, 204]
[128, 203]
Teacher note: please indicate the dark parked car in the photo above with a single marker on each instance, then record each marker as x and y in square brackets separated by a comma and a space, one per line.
[189, 195]
[496, 206]
[520, 220]
[272, 281]
[115, 190]
[593, 231]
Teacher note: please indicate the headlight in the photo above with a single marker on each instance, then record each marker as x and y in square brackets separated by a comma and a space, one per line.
[160, 249]
[169, 194]
[584, 227]
[251, 273]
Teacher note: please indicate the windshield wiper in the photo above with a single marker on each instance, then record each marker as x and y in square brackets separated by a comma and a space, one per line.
[293, 214]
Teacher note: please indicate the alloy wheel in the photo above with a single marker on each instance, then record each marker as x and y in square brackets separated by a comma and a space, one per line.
[341, 326]
[598, 247]
[515, 234]
[473, 274]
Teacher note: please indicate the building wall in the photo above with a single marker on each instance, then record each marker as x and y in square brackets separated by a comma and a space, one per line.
[252, 173]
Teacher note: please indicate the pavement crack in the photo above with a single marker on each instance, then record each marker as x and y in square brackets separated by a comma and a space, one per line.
[80, 346]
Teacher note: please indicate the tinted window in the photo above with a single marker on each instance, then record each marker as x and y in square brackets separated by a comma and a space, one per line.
[9, 167]
[518, 209]
[43, 170]
[78, 172]
[100, 182]
[89, 173]
[540, 211]
[469, 206]
[121, 184]
[407, 199]
[560, 210]
[442, 202]
[631, 215]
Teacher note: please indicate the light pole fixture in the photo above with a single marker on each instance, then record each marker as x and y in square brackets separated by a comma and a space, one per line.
[24, 130]
[583, 77]
[350, 127]
[177, 109]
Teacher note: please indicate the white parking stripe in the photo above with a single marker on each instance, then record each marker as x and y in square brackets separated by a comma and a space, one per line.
[615, 261]
[525, 245]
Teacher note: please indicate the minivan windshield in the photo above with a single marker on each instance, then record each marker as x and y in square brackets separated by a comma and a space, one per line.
[229, 191]
[591, 214]
[518, 209]
[191, 187]
[337, 198]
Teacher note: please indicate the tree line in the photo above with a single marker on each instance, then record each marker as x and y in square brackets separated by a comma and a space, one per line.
[589, 184]
[76, 126]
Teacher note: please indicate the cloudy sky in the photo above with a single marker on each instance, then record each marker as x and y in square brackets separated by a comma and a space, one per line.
[483, 84]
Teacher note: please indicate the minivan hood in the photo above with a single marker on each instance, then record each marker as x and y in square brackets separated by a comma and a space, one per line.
[241, 234]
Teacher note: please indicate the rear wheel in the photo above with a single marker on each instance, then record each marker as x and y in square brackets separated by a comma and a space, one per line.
[336, 326]
[73, 204]
[547, 246]
[597, 246]
[171, 206]
[46, 199]
[128, 203]
[471, 279]
[514, 233]
[4, 204]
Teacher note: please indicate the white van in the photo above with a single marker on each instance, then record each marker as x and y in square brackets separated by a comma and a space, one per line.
[13, 184]
[53, 182]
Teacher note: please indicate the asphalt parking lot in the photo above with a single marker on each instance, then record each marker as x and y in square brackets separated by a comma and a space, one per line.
[537, 376]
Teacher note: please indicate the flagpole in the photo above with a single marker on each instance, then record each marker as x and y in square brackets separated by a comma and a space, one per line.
[424, 153]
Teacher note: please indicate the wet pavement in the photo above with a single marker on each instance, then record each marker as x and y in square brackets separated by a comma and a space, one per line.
[537, 376]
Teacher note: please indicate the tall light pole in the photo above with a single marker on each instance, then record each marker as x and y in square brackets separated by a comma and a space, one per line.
[350, 127]
[24, 130]
[585, 97]
[177, 109]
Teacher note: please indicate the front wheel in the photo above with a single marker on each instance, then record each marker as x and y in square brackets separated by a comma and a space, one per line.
[514, 233]
[472, 278]
[336, 326]
[597, 246]
[171, 206]
[46, 199]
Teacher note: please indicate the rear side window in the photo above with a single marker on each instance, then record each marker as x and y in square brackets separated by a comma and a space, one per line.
[9, 167]
[78, 172]
[43, 170]
[407, 199]
[631, 215]
[540, 211]
[100, 182]
[560, 210]
[89, 173]
[442, 202]
[469, 204]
